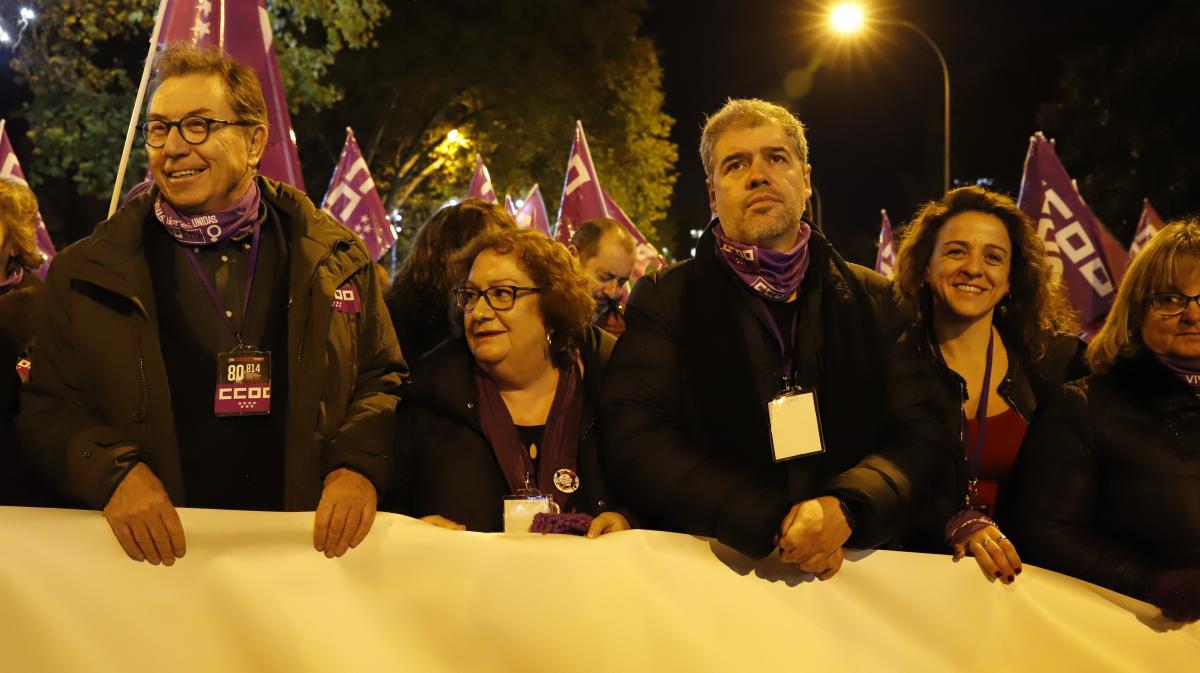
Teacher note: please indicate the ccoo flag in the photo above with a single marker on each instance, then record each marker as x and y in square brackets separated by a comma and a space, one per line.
[1149, 224]
[481, 183]
[885, 259]
[509, 205]
[242, 29]
[354, 201]
[532, 213]
[1069, 230]
[11, 168]
[583, 199]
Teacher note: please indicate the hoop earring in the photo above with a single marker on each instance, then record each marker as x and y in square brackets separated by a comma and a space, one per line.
[549, 344]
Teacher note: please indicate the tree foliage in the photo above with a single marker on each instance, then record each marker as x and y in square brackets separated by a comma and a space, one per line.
[511, 78]
[81, 62]
[1125, 121]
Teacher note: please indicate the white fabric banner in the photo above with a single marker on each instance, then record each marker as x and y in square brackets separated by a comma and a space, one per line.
[253, 595]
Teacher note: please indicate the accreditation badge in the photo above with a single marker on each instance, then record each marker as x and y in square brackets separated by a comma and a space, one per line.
[243, 383]
[795, 424]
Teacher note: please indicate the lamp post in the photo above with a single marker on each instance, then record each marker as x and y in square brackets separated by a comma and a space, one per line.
[848, 18]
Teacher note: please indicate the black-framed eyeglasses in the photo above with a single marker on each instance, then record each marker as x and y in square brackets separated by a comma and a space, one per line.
[193, 129]
[1171, 304]
[499, 297]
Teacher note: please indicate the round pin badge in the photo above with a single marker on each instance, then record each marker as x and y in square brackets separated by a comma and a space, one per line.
[566, 480]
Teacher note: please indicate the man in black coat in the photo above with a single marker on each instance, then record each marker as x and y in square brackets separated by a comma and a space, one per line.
[758, 395]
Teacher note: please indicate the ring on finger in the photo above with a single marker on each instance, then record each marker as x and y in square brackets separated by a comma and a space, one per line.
[984, 542]
[1002, 538]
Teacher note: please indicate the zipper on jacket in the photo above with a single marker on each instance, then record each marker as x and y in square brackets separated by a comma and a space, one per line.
[139, 415]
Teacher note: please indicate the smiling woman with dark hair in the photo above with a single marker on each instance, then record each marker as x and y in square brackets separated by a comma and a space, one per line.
[509, 404]
[995, 326]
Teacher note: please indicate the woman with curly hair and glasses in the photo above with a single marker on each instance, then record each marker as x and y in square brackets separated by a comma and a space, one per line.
[510, 403]
[997, 328]
[1107, 487]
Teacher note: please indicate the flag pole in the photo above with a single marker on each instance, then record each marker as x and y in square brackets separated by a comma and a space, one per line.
[137, 106]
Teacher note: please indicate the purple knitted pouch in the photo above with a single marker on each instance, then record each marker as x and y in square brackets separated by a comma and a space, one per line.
[574, 523]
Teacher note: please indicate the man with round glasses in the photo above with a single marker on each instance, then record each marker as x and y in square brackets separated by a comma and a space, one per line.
[219, 342]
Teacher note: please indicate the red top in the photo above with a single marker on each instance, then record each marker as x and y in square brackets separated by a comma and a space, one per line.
[1004, 434]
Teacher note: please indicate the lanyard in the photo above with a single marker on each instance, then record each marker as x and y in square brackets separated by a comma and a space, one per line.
[975, 455]
[216, 298]
[787, 347]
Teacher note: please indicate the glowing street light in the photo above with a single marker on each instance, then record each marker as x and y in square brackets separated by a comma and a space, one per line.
[847, 18]
[27, 14]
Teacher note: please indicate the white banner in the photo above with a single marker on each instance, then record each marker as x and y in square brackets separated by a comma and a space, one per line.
[252, 595]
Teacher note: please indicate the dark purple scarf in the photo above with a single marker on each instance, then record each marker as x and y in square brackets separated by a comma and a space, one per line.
[1189, 373]
[212, 228]
[560, 439]
[772, 275]
[14, 279]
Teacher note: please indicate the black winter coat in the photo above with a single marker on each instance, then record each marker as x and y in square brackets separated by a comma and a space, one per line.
[687, 439]
[1107, 485]
[1025, 386]
[445, 465]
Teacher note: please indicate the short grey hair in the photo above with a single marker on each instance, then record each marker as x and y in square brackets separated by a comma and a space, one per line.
[749, 113]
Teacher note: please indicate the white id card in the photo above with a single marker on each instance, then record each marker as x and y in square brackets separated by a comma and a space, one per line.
[795, 426]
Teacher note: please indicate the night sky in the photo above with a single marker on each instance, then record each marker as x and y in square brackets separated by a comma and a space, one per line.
[874, 109]
[873, 105]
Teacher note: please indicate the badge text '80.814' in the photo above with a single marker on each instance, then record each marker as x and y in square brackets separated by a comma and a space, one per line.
[243, 383]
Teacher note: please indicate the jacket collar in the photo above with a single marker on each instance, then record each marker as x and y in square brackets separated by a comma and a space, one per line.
[1152, 386]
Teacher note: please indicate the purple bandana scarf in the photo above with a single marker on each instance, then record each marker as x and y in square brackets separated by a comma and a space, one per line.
[1189, 373]
[213, 228]
[14, 279]
[772, 275]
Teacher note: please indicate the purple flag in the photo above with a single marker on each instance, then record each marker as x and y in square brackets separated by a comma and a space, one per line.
[584, 199]
[532, 213]
[1069, 230]
[481, 183]
[354, 201]
[509, 205]
[1149, 224]
[242, 28]
[885, 259]
[11, 168]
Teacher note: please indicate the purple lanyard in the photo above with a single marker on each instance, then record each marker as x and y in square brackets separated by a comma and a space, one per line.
[212, 291]
[975, 457]
[787, 347]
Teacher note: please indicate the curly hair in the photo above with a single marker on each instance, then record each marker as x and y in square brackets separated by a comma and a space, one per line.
[1036, 309]
[1170, 256]
[419, 299]
[18, 216]
[565, 303]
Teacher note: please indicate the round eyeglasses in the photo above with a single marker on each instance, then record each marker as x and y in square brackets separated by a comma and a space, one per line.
[1171, 304]
[194, 129]
[499, 297]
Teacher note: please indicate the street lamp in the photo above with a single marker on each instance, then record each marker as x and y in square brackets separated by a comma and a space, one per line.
[847, 18]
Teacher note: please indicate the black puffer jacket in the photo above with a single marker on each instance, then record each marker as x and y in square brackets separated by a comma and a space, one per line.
[446, 466]
[686, 434]
[1107, 485]
[1025, 386]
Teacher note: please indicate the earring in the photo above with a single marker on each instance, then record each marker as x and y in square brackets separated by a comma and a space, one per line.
[549, 343]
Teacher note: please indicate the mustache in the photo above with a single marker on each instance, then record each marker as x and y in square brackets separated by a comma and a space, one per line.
[761, 192]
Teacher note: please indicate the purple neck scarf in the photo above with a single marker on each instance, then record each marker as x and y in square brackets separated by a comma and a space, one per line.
[1189, 373]
[14, 279]
[772, 275]
[203, 230]
[560, 439]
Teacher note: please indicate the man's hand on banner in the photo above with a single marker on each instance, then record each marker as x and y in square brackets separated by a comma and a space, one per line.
[144, 520]
[345, 513]
[812, 536]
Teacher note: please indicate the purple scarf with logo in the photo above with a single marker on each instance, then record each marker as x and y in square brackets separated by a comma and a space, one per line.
[1189, 373]
[14, 279]
[212, 228]
[772, 275]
